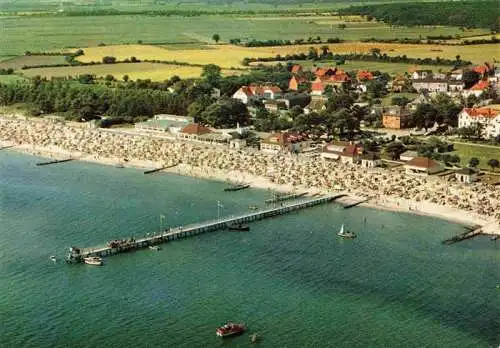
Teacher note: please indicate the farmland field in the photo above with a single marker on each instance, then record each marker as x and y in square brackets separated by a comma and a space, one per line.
[153, 71]
[228, 56]
[19, 62]
[45, 33]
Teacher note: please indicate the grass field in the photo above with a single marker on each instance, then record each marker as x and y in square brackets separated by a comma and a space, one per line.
[390, 68]
[19, 62]
[56, 32]
[153, 71]
[484, 154]
[10, 78]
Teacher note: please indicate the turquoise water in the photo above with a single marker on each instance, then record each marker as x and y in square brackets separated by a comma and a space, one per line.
[290, 279]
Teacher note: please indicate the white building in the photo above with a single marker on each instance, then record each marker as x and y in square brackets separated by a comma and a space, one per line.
[489, 118]
[247, 93]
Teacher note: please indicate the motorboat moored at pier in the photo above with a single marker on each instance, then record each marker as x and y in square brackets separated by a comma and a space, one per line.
[93, 260]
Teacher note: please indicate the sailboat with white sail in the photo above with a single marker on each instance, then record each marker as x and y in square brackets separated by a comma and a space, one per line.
[344, 233]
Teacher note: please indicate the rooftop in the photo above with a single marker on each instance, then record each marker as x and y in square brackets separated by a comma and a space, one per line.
[422, 162]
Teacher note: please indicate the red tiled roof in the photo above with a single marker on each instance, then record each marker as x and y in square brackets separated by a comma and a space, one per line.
[296, 68]
[481, 69]
[351, 150]
[480, 86]
[481, 112]
[247, 90]
[422, 162]
[364, 75]
[195, 129]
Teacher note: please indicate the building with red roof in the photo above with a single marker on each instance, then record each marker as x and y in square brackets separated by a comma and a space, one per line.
[423, 165]
[319, 85]
[193, 131]
[487, 117]
[296, 81]
[284, 142]
[296, 68]
[364, 75]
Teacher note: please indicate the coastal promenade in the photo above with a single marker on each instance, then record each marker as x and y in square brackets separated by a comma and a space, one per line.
[77, 255]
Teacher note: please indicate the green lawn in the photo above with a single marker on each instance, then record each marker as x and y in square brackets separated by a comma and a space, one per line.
[390, 68]
[10, 78]
[47, 33]
[484, 154]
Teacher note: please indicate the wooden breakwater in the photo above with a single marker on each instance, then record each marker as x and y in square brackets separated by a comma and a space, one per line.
[151, 171]
[77, 255]
[463, 236]
[54, 162]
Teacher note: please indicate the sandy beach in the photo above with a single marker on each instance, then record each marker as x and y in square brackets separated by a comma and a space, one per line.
[477, 204]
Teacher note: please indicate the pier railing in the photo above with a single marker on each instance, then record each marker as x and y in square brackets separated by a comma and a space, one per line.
[77, 255]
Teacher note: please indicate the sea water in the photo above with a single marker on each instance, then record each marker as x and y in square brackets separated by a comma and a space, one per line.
[290, 279]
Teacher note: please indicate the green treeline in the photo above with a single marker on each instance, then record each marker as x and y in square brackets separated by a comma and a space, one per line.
[467, 14]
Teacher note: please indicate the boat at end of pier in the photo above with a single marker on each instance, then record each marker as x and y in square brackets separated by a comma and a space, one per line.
[154, 248]
[93, 260]
[230, 329]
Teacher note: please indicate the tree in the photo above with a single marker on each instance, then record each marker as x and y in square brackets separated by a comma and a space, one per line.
[474, 162]
[125, 78]
[216, 38]
[225, 113]
[493, 163]
[395, 149]
[470, 78]
[342, 26]
[108, 60]
[212, 74]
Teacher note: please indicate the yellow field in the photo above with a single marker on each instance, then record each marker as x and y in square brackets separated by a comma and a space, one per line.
[228, 56]
[153, 71]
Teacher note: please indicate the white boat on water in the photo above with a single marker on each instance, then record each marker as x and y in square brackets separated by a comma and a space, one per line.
[154, 247]
[93, 260]
[346, 233]
[53, 258]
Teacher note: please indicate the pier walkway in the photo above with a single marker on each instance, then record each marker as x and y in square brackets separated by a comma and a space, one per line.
[77, 255]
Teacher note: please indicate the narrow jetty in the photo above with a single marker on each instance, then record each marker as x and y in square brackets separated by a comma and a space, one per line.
[54, 162]
[285, 197]
[237, 187]
[76, 255]
[463, 236]
[351, 205]
[151, 171]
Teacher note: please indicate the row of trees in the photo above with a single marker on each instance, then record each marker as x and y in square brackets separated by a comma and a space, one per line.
[469, 14]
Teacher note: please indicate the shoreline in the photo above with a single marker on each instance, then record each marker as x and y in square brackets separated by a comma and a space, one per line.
[393, 204]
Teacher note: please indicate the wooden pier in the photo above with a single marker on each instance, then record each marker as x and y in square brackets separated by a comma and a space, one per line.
[285, 197]
[54, 162]
[77, 255]
[151, 171]
[463, 236]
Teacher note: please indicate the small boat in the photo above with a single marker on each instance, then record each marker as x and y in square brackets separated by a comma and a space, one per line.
[254, 338]
[93, 260]
[53, 258]
[230, 329]
[253, 207]
[237, 187]
[346, 233]
[238, 227]
[154, 247]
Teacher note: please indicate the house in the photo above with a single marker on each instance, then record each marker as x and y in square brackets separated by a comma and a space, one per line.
[274, 105]
[466, 175]
[420, 99]
[254, 92]
[430, 84]
[364, 75]
[295, 82]
[296, 69]
[457, 74]
[284, 142]
[394, 117]
[477, 89]
[164, 123]
[325, 72]
[193, 131]
[370, 160]
[421, 74]
[319, 85]
[351, 154]
[423, 165]
[334, 149]
[455, 85]
[408, 155]
[484, 70]
[487, 117]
